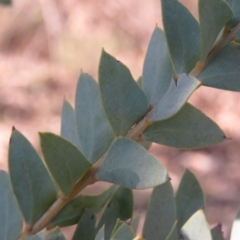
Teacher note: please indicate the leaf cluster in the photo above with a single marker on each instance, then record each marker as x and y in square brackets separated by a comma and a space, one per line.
[107, 135]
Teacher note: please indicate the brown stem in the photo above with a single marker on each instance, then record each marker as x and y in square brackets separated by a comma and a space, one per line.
[88, 178]
[227, 37]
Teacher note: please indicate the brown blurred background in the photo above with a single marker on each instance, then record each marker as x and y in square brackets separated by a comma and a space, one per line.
[43, 46]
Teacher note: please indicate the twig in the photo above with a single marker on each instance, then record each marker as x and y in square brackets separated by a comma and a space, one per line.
[223, 41]
[87, 179]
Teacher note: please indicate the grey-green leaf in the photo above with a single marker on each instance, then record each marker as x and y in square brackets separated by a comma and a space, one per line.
[56, 234]
[100, 235]
[173, 234]
[65, 162]
[161, 213]
[213, 16]
[39, 236]
[157, 68]
[11, 219]
[6, 2]
[119, 207]
[189, 198]
[68, 124]
[123, 100]
[31, 183]
[217, 233]
[124, 232]
[235, 6]
[146, 144]
[86, 226]
[176, 96]
[118, 224]
[71, 214]
[130, 165]
[135, 222]
[94, 130]
[182, 34]
[223, 71]
[196, 228]
[188, 129]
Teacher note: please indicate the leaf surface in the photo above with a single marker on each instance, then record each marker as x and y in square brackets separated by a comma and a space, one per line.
[130, 165]
[157, 68]
[119, 207]
[31, 183]
[213, 16]
[68, 124]
[86, 226]
[196, 228]
[124, 232]
[161, 213]
[94, 130]
[217, 233]
[175, 97]
[11, 219]
[189, 198]
[223, 71]
[6, 2]
[65, 162]
[56, 234]
[235, 6]
[39, 236]
[124, 101]
[188, 129]
[182, 34]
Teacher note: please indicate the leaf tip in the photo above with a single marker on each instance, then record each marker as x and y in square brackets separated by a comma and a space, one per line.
[13, 128]
[227, 138]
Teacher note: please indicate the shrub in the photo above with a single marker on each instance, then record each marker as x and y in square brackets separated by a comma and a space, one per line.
[106, 137]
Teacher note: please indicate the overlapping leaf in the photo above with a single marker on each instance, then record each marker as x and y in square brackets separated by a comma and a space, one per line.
[161, 213]
[223, 71]
[188, 129]
[11, 219]
[217, 233]
[94, 130]
[157, 68]
[31, 183]
[39, 236]
[71, 214]
[124, 232]
[235, 6]
[56, 234]
[86, 227]
[130, 165]
[173, 234]
[189, 198]
[68, 124]
[135, 223]
[65, 162]
[175, 97]
[100, 235]
[196, 228]
[182, 34]
[213, 16]
[123, 100]
[119, 207]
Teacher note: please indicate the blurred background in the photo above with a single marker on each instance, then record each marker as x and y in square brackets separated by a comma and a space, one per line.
[45, 44]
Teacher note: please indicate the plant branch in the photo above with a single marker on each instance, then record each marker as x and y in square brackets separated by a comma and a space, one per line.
[227, 37]
[87, 179]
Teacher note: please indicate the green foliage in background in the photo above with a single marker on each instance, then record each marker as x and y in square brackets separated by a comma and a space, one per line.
[106, 137]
